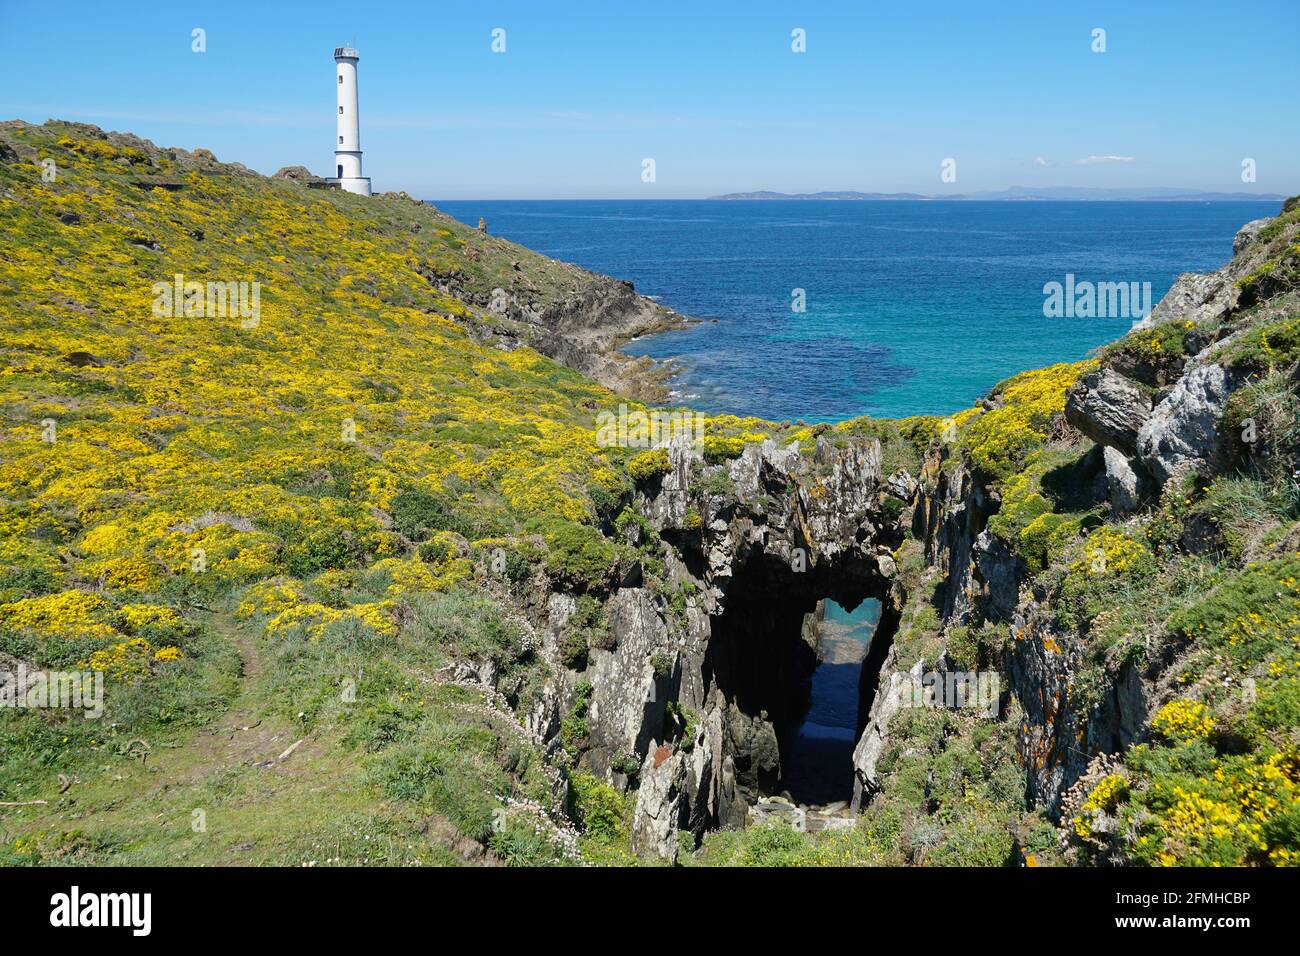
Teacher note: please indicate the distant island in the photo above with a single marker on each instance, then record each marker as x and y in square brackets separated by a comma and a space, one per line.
[1022, 194]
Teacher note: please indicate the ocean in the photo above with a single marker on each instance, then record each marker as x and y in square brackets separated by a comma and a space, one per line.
[910, 307]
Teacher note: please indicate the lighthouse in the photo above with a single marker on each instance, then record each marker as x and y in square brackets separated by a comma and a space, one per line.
[347, 151]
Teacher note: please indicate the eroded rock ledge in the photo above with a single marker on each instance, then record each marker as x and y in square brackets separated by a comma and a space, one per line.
[700, 689]
[703, 684]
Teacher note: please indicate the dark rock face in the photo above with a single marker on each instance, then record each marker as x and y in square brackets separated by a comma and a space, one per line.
[949, 517]
[1108, 408]
[1000, 572]
[630, 698]
[736, 656]
[1063, 728]
[1126, 486]
[750, 740]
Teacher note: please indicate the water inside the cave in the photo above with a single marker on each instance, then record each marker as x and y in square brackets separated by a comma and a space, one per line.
[820, 770]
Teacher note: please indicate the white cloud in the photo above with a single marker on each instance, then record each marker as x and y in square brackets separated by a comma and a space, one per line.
[1039, 161]
[1098, 160]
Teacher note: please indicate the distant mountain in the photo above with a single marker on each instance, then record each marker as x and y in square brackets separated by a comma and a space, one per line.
[1046, 193]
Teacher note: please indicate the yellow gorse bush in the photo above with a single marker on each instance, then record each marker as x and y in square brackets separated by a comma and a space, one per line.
[1106, 794]
[124, 661]
[1002, 440]
[1109, 550]
[69, 613]
[136, 446]
[1184, 720]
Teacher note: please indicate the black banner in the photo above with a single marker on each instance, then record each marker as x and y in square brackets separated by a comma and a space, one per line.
[332, 906]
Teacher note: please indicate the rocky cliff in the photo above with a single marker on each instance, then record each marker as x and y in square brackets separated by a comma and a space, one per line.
[368, 548]
[1030, 559]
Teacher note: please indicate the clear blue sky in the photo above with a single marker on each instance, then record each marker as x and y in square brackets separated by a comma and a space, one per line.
[710, 90]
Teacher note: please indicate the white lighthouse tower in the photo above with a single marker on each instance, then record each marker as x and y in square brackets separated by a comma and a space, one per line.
[347, 151]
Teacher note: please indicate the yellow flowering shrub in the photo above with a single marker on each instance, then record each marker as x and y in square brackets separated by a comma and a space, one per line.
[649, 464]
[1002, 440]
[285, 608]
[1026, 520]
[125, 574]
[1243, 814]
[412, 574]
[124, 661]
[718, 447]
[66, 614]
[1109, 550]
[1105, 796]
[154, 621]
[105, 539]
[1183, 720]
[270, 598]
[1195, 819]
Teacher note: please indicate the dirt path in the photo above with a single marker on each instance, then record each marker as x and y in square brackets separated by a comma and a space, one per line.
[241, 737]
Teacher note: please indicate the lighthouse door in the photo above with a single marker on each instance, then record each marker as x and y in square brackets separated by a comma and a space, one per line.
[340, 171]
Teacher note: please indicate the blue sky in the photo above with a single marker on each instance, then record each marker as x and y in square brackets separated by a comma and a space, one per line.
[711, 91]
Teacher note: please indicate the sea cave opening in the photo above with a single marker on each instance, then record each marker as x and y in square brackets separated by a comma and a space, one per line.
[796, 656]
[818, 768]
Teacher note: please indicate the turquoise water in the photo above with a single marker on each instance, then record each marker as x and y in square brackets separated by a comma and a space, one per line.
[819, 767]
[912, 307]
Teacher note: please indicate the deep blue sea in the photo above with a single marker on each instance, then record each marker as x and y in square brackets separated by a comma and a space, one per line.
[911, 307]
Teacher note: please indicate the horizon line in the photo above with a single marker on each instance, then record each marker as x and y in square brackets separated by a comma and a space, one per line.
[1278, 197]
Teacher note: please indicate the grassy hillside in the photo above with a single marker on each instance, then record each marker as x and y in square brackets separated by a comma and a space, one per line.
[346, 469]
[295, 545]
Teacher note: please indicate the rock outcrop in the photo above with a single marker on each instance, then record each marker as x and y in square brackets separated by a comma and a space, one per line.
[298, 174]
[1122, 482]
[753, 544]
[1195, 297]
[1185, 428]
[1109, 408]
[871, 744]
[1248, 234]
[658, 804]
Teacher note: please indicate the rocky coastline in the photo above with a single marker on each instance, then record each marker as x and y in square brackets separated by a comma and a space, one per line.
[735, 532]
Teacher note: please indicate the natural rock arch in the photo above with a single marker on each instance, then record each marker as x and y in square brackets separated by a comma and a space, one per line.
[704, 690]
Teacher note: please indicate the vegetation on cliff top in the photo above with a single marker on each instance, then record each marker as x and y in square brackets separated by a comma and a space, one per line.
[1196, 591]
[300, 524]
[170, 484]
